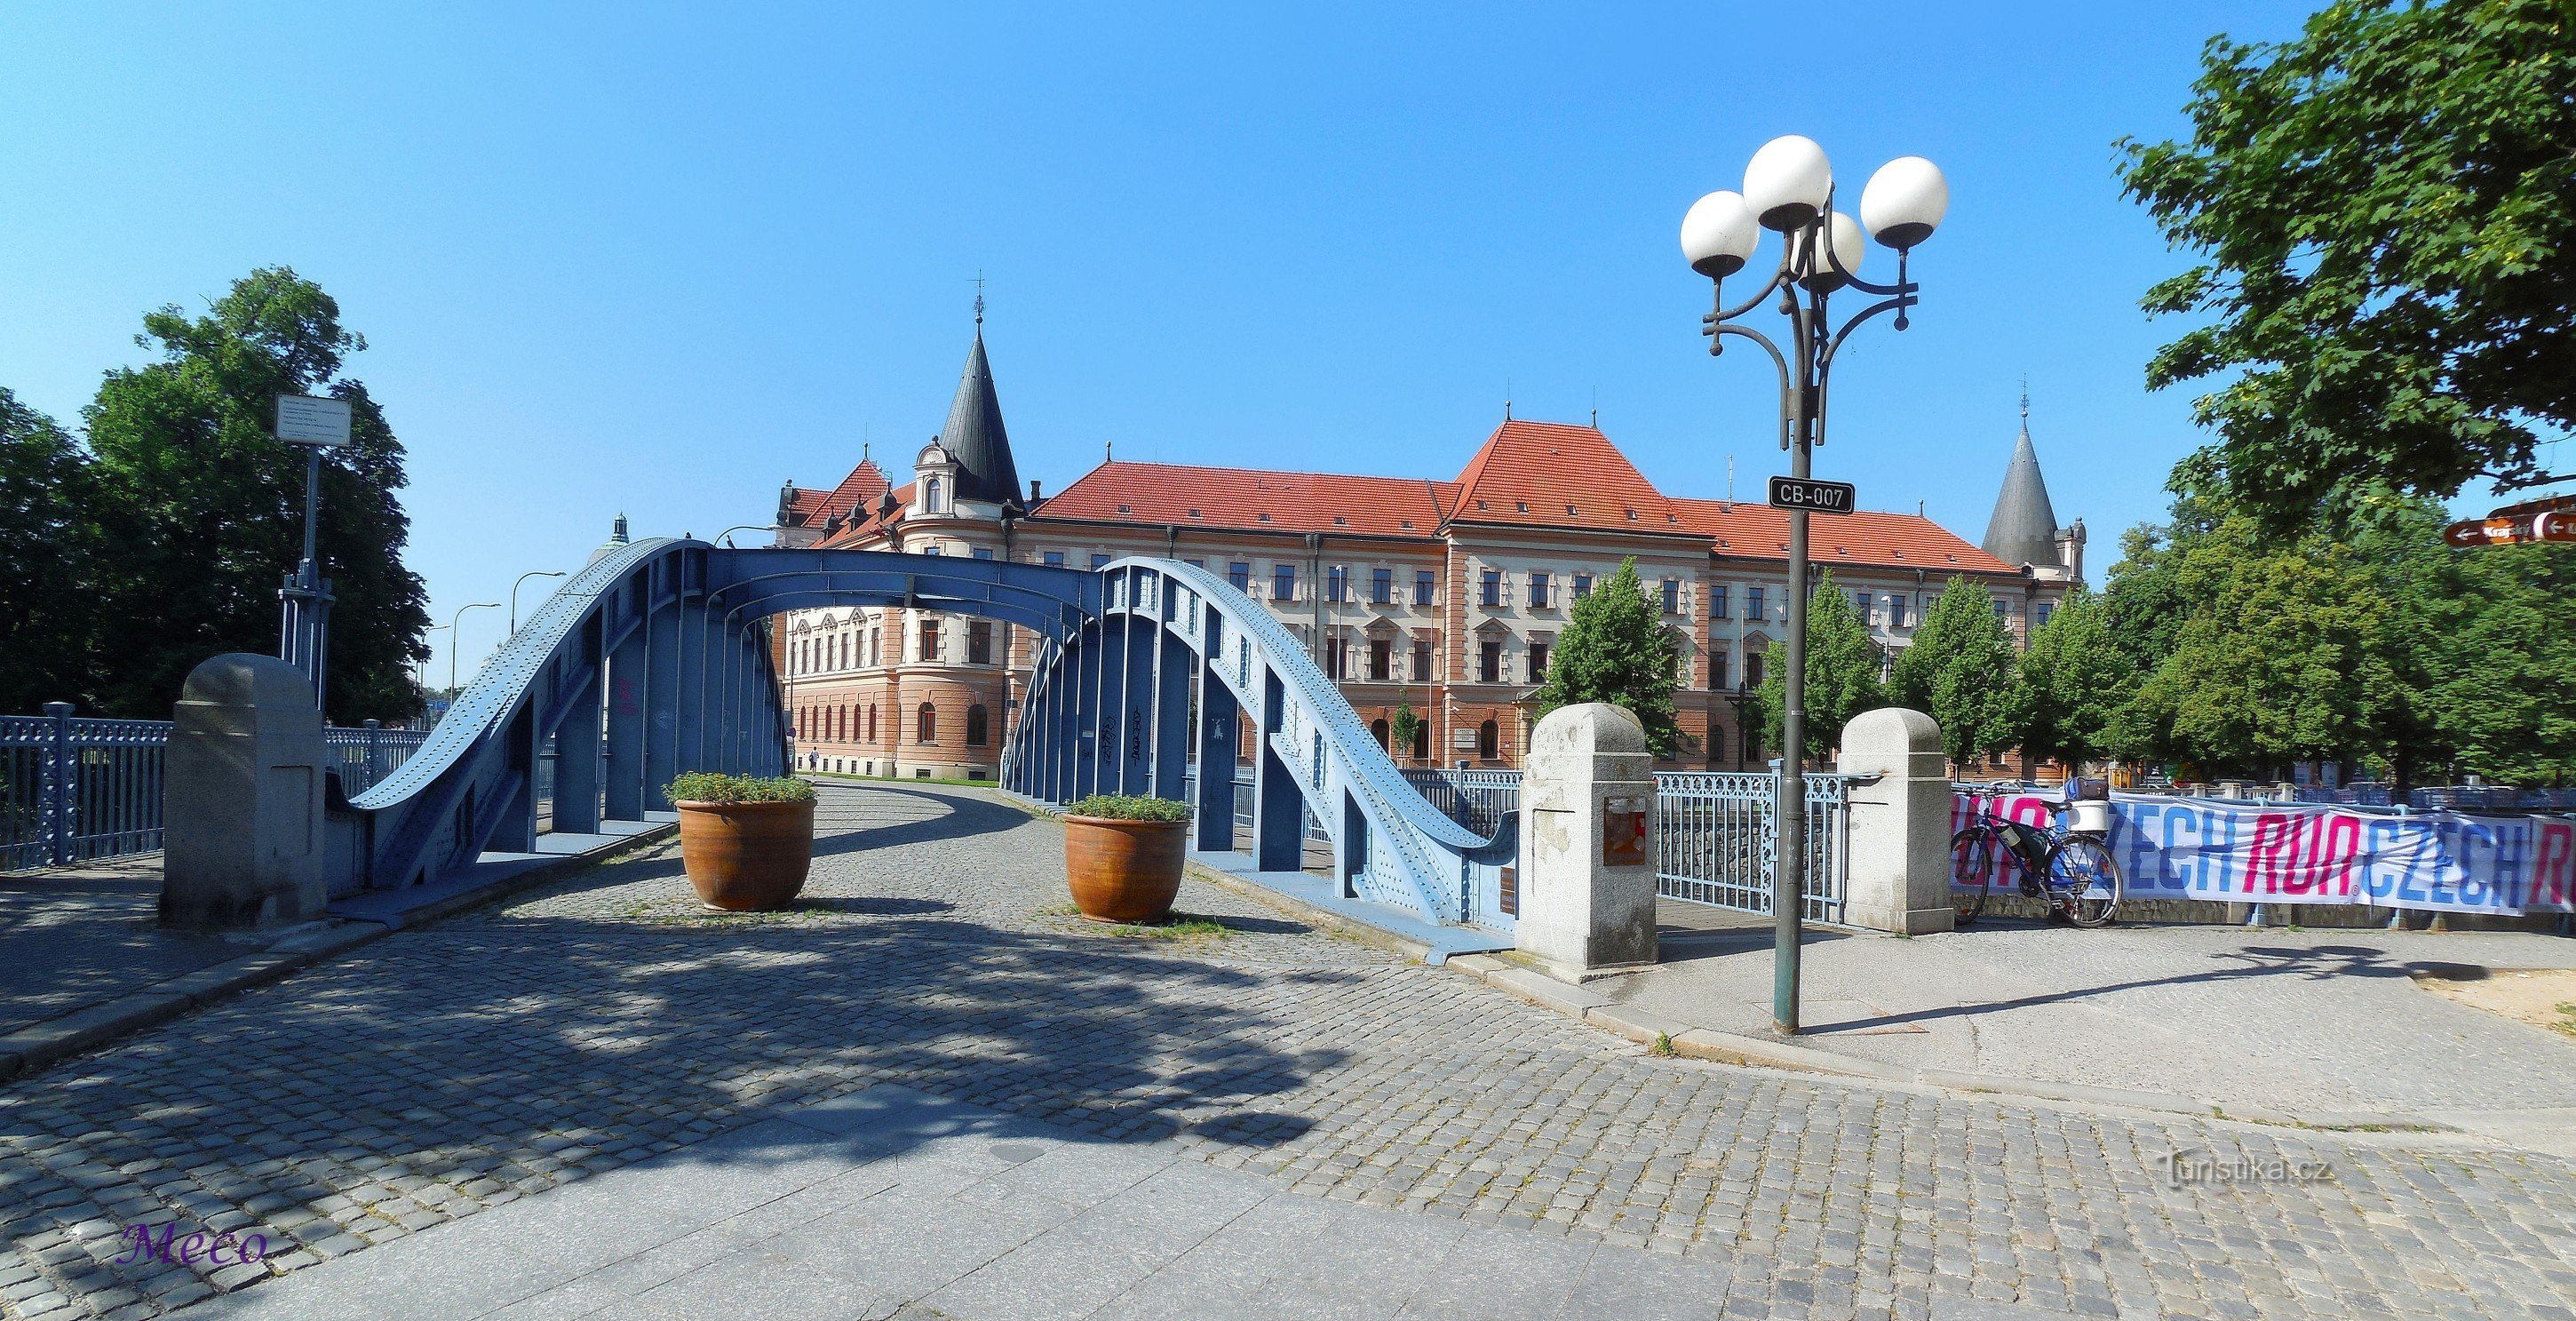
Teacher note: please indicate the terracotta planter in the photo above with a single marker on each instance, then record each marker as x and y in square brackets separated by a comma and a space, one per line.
[746, 857]
[1124, 871]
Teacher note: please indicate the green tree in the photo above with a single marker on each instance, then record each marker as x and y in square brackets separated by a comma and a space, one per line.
[1960, 670]
[2388, 283]
[1842, 673]
[48, 552]
[204, 509]
[1404, 729]
[2074, 677]
[1614, 650]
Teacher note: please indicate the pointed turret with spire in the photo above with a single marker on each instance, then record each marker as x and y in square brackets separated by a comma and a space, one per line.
[972, 453]
[2024, 527]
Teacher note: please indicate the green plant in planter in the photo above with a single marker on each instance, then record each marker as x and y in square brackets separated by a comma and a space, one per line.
[712, 787]
[1129, 807]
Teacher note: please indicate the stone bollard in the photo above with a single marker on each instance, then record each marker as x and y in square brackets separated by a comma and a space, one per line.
[1587, 861]
[1899, 872]
[242, 800]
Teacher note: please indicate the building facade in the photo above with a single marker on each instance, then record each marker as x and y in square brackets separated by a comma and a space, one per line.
[1441, 594]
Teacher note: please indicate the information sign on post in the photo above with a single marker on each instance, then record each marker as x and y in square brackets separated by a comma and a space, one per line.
[1813, 496]
[304, 419]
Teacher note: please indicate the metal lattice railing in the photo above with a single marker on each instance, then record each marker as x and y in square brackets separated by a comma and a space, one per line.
[1715, 842]
[76, 788]
[1477, 800]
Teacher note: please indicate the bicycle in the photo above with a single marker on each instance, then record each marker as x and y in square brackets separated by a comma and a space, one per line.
[2069, 868]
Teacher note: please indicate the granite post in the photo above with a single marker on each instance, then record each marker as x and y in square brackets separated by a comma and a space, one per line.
[1899, 874]
[1587, 856]
[242, 821]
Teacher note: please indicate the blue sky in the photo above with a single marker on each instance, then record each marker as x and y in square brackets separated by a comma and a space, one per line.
[658, 261]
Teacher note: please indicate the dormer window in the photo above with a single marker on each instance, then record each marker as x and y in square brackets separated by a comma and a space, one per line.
[931, 491]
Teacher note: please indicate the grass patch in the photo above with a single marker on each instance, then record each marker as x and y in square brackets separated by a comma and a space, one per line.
[1663, 1044]
[2566, 1019]
[1179, 926]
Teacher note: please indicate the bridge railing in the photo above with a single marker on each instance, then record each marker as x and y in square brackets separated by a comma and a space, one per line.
[1717, 841]
[80, 788]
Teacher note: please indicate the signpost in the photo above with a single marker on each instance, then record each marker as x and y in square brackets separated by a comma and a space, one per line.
[2553, 519]
[1812, 496]
[316, 424]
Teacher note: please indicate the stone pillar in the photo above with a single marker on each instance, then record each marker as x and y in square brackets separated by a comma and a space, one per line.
[1899, 875]
[1587, 860]
[242, 822]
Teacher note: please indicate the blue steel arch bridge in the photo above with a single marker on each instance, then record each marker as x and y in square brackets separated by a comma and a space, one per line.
[654, 660]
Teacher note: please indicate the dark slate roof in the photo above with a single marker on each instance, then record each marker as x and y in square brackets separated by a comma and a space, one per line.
[974, 435]
[2024, 528]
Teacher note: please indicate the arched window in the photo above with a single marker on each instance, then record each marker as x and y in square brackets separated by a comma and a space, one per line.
[872, 722]
[926, 724]
[1378, 731]
[1422, 741]
[1489, 740]
[930, 495]
[976, 725]
[840, 724]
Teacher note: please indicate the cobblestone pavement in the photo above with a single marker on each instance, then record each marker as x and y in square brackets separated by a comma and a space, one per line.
[587, 1026]
[71, 937]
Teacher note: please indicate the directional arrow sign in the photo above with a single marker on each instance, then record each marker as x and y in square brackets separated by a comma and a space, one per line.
[1813, 496]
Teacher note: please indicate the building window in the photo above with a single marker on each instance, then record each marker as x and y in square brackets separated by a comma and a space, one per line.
[1098, 561]
[1195, 564]
[1377, 730]
[1672, 596]
[1491, 594]
[1422, 662]
[1422, 740]
[1337, 583]
[1582, 586]
[979, 643]
[1717, 605]
[1283, 582]
[1860, 602]
[978, 726]
[929, 640]
[925, 724]
[1381, 586]
[2003, 609]
[1538, 591]
[1753, 604]
[1381, 660]
[1334, 651]
[932, 549]
[872, 722]
[1756, 665]
[930, 495]
[876, 646]
[1423, 586]
[1752, 738]
[1239, 574]
[1054, 559]
[983, 552]
[1896, 612]
[2040, 615]
[1489, 740]
[1489, 663]
[1538, 662]
[1716, 669]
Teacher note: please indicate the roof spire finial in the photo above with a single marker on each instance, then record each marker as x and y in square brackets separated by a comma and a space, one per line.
[1108, 451]
[1507, 399]
[979, 302]
[2025, 405]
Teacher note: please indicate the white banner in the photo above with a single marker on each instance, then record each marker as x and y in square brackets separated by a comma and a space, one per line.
[2318, 853]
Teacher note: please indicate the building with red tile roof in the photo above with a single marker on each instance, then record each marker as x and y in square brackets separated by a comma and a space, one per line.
[1442, 594]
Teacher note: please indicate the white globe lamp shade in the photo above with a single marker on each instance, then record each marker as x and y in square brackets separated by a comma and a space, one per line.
[1848, 250]
[1718, 235]
[1904, 202]
[1786, 182]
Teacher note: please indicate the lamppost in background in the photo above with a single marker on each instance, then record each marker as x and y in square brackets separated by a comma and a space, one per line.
[514, 593]
[1789, 189]
[303, 635]
[456, 641]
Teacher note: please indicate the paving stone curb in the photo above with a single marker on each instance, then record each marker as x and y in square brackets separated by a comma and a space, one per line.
[1650, 1029]
[40, 1044]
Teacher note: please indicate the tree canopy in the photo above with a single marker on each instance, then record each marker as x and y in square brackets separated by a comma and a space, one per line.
[48, 551]
[2074, 679]
[2388, 254]
[204, 509]
[1842, 673]
[1614, 650]
[1959, 669]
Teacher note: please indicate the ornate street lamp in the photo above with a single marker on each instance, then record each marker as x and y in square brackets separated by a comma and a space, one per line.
[1789, 189]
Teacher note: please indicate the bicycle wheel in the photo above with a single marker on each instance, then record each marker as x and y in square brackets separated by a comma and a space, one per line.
[1972, 865]
[2083, 881]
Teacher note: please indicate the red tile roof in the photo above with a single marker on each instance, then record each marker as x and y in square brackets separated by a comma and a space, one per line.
[864, 523]
[1553, 475]
[1903, 541]
[811, 507]
[1255, 500]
